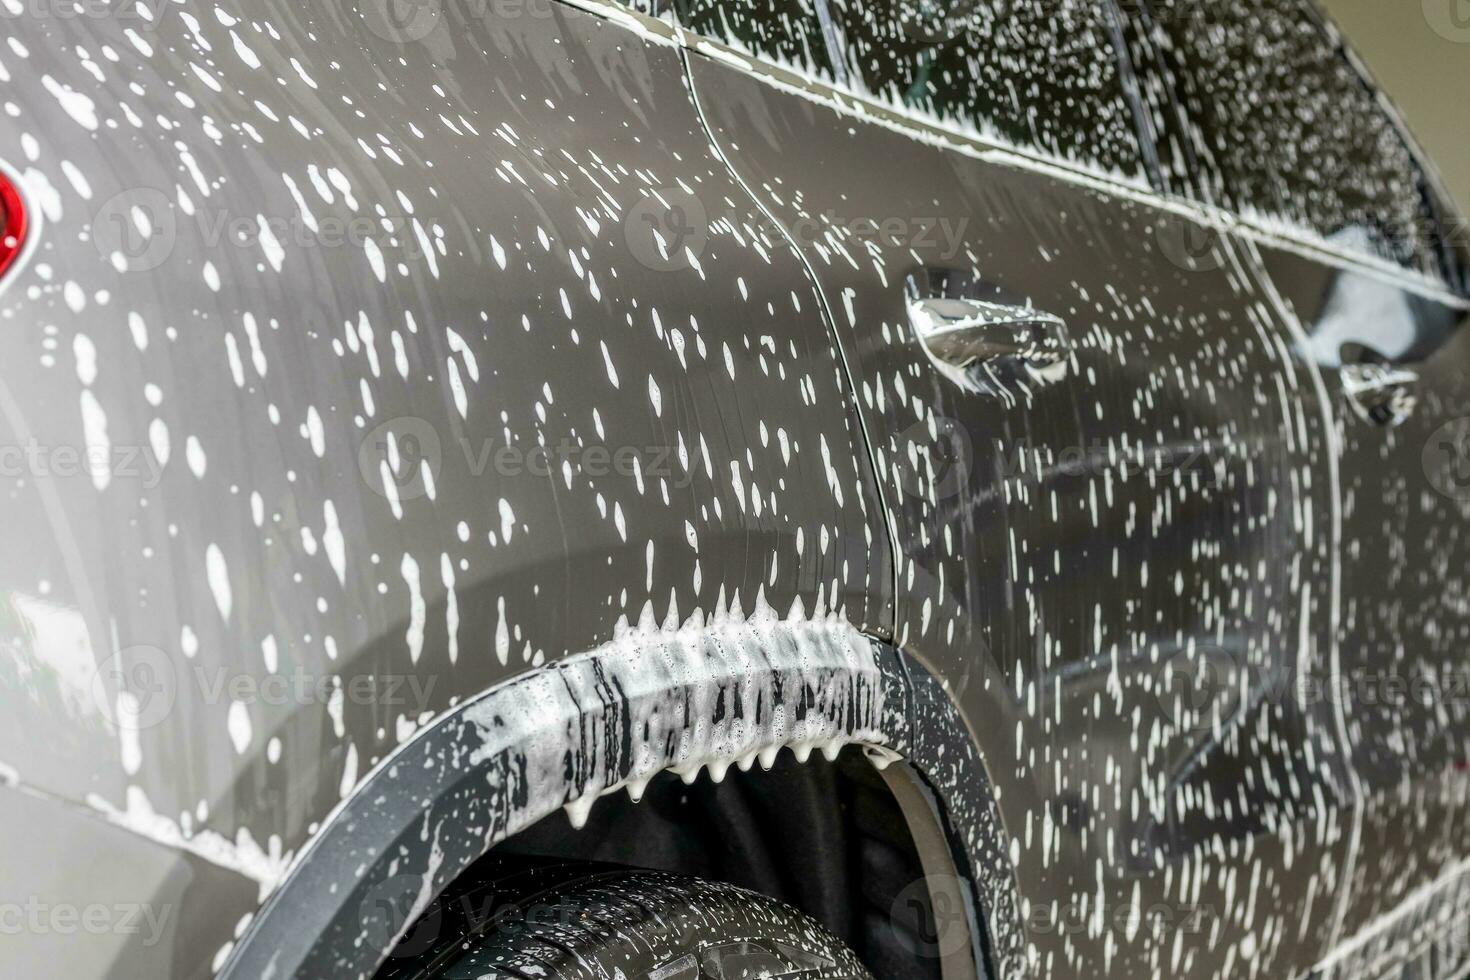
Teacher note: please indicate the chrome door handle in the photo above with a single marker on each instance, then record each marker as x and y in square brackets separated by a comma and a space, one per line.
[1381, 393]
[964, 332]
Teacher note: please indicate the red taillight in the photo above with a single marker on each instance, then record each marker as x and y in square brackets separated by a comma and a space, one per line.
[12, 223]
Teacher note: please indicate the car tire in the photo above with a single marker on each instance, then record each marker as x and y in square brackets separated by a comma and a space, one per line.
[543, 921]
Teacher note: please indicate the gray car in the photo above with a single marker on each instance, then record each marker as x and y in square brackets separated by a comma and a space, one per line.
[726, 488]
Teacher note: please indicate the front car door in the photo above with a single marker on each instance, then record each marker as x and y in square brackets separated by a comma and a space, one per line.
[1285, 130]
[1114, 535]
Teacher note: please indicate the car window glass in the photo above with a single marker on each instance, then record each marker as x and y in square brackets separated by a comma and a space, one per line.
[1284, 129]
[787, 32]
[1042, 76]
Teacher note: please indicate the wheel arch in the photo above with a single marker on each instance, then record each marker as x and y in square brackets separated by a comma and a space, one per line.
[713, 694]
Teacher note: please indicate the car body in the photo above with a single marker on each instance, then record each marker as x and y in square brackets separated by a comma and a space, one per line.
[425, 418]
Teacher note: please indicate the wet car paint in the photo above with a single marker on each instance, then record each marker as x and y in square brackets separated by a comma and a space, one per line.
[1404, 622]
[500, 285]
[1092, 563]
[324, 520]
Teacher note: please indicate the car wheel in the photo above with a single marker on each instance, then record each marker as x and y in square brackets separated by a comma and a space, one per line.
[590, 922]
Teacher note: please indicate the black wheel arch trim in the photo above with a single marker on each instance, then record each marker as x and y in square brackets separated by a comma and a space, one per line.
[653, 700]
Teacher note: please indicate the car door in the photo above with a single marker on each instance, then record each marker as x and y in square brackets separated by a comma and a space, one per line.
[1104, 468]
[1286, 130]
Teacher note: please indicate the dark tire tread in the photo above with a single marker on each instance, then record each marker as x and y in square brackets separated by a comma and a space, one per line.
[600, 925]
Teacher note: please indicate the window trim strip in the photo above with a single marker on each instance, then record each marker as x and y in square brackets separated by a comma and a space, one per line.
[666, 30]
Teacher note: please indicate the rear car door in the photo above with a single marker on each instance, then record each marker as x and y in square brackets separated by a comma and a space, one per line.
[1285, 129]
[1104, 468]
[366, 374]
